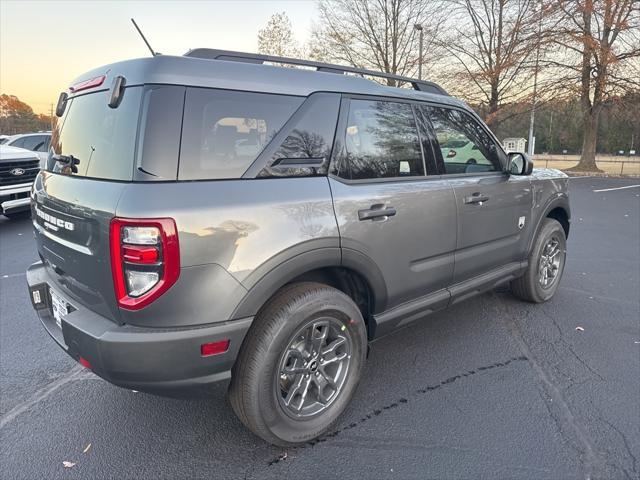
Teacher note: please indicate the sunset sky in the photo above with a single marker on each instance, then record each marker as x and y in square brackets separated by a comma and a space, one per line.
[46, 44]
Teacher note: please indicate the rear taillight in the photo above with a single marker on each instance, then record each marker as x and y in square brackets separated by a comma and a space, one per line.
[145, 259]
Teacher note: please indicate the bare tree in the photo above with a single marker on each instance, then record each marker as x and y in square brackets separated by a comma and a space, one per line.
[598, 58]
[376, 34]
[276, 38]
[491, 45]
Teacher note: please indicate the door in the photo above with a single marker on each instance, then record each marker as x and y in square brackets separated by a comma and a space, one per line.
[387, 204]
[493, 208]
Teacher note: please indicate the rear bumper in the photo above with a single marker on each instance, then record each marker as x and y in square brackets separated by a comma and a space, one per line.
[15, 198]
[162, 361]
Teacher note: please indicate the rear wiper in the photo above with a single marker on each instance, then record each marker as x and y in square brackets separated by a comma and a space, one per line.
[69, 161]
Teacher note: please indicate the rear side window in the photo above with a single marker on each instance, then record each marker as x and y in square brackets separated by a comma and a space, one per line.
[308, 135]
[463, 143]
[101, 138]
[381, 141]
[223, 131]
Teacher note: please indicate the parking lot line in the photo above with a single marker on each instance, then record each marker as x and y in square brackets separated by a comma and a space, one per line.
[616, 188]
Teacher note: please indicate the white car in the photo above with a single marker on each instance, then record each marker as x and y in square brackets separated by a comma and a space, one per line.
[36, 142]
[18, 169]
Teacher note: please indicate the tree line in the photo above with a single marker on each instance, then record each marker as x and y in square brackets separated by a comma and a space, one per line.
[18, 117]
[575, 64]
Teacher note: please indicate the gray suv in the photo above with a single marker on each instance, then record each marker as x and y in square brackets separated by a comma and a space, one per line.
[218, 217]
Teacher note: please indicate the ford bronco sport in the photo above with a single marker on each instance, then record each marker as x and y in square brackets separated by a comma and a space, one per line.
[217, 216]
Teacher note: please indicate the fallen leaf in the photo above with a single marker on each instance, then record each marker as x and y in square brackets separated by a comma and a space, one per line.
[68, 464]
[580, 329]
[86, 449]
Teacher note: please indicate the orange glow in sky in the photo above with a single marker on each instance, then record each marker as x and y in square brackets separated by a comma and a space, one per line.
[44, 45]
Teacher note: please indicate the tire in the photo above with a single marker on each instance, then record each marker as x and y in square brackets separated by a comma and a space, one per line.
[267, 401]
[531, 286]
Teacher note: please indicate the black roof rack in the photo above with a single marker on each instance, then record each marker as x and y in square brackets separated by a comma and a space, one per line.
[213, 54]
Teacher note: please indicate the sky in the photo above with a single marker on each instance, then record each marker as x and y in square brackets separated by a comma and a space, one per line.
[44, 45]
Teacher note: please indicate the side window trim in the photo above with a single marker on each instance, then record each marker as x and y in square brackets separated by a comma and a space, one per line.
[425, 131]
[434, 140]
[420, 140]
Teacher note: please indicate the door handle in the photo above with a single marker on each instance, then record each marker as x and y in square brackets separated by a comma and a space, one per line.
[477, 199]
[376, 211]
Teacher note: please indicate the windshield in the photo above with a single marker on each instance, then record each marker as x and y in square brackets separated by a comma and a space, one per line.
[100, 139]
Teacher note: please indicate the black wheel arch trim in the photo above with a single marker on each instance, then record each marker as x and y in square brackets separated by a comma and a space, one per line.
[560, 200]
[272, 279]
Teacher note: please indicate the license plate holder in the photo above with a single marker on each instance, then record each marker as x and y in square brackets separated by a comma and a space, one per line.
[59, 307]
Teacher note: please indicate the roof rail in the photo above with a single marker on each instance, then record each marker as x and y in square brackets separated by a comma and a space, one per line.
[213, 54]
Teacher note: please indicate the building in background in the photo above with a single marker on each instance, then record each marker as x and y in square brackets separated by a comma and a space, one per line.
[514, 144]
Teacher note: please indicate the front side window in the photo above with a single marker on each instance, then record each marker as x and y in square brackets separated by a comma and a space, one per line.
[224, 131]
[465, 146]
[381, 141]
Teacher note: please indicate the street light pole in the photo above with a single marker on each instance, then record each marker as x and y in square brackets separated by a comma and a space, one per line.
[418, 27]
[532, 138]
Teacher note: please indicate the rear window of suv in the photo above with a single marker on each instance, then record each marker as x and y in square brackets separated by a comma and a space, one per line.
[101, 138]
[223, 131]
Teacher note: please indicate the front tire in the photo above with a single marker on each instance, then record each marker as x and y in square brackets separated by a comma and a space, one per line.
[546, 264]
[299, 365]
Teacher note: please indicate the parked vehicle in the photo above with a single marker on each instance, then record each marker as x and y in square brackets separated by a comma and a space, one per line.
[36, 142]
[210, 217]
[18, 169]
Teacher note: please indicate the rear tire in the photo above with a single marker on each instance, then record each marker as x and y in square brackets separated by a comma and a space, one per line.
[299, 364]
[546, 264]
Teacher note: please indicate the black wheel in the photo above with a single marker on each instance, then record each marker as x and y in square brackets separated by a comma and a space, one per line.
[299, 364]
[546, 264]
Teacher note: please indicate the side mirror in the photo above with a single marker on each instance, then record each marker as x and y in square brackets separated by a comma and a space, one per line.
[520, 164]
[451, 154]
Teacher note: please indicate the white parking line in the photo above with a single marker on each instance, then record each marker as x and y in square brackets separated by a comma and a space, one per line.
[617, 188]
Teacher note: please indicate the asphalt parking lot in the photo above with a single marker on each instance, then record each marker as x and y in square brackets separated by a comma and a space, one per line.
[492, 388]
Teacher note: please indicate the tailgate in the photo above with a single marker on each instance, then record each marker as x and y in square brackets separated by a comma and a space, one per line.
[71, 217]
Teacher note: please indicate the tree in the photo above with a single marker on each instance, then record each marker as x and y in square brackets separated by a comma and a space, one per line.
[276, 38]
[490, 46]
[599, 48]
[18, 117]
[377, 35]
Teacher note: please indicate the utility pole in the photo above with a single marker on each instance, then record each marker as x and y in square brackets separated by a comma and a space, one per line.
[551, 133]
[418, 27]
[532, 139]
